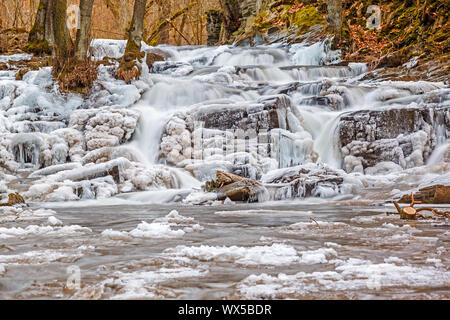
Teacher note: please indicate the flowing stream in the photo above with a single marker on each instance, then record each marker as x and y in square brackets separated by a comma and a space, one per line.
[155, 245]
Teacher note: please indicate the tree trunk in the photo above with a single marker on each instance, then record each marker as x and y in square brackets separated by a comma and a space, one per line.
[84, 29]
[232, 17]
[137, 25]
[182, 25]
[49, 30]
[37, 33]
[128, 69]
[61, 49]
[40, 38]
[335, 17]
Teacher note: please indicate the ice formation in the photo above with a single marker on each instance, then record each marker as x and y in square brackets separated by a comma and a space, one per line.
[286, 114]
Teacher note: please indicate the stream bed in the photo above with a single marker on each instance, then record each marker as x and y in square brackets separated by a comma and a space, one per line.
[285, 250]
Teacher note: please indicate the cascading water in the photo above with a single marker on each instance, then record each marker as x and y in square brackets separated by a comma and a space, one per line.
[243, 76]
[250, 110]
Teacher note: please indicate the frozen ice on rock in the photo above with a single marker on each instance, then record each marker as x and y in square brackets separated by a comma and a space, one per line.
[105, 128]
[54, 221]
[308, 107]
[172, 225]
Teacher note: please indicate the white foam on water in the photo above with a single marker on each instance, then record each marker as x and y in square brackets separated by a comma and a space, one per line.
[145, 284]
[353, 278]
[35, 230]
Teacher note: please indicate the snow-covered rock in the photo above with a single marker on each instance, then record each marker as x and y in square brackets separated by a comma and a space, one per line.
[402, 136]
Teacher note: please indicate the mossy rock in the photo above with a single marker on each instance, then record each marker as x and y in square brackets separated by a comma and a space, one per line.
[307, 18]
[38, 47]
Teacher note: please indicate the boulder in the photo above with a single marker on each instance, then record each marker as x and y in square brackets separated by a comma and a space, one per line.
[152, 58]
[247, 138]
[404, 136]
[266, 114]
[312, 180]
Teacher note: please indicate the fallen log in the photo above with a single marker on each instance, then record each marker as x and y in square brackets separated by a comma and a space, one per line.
[234, 187]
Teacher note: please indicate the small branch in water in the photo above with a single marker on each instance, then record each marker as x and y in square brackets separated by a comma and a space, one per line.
[411, 213]
[315, 221]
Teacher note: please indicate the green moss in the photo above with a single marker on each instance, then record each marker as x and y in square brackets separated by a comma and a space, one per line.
[128, 68]
[307, 18]
[38, 47]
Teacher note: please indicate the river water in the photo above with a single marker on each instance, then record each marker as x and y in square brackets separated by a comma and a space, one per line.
[244, 251]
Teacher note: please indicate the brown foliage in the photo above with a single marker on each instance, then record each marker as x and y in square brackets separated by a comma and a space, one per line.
[12, 40]
[128, 74]
[34, 64]
[79, 78]
[3, 43]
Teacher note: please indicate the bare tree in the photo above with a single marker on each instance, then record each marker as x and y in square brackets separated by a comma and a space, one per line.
[63, 42]
[335, 17]
[128, 69]
[71, 68]
[164, 14]
[41, 36]
[83, 32]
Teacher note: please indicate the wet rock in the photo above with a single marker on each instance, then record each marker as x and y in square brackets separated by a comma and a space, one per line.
[214, 21]
[247, 138]
[172, 68]
[404, 136]
[152, 58]
[304, 181]
[266, 113]
[437, 194]
[238, 191]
